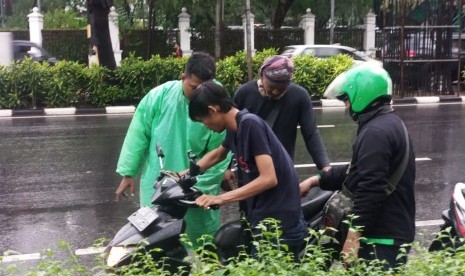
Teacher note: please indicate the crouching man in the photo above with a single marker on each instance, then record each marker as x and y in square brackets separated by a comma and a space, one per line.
[271, 187]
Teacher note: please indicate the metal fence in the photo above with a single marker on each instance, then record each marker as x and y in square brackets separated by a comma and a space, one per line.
[350, 36]
[421, 60]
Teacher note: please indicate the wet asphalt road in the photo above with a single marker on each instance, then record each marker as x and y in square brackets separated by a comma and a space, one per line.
[57, 174]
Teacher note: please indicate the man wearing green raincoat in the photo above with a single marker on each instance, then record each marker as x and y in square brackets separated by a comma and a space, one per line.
[162, 117]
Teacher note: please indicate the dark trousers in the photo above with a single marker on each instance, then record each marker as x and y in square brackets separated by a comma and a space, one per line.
[370, 252]
[388, 253]
[294, 238]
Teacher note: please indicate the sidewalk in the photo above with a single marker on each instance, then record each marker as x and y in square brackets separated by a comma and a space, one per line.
[130, 109]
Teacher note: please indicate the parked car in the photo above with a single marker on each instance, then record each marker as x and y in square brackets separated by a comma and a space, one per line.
[25, 48]
[325, 51]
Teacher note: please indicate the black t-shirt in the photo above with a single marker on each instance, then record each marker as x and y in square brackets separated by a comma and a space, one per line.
[295, 109]
[254, 137]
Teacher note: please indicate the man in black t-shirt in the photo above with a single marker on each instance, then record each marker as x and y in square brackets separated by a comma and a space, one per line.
[271, 185]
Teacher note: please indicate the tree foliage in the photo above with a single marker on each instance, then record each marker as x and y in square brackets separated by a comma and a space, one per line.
[272, 13]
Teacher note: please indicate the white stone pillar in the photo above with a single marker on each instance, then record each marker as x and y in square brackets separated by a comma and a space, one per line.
[6, 46]
[369, 35]
[308, 24]
[114, 34]
[184, 32]
[252, 32]
[36, 25]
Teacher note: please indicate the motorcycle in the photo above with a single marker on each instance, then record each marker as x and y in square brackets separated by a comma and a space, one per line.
[452, 231]
[161, 226]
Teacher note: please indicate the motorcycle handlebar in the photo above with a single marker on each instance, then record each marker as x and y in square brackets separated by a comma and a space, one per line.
[192, 204]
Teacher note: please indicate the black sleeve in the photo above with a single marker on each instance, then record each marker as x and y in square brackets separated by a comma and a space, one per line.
[311, 134]
[238, 98]
[332, 180]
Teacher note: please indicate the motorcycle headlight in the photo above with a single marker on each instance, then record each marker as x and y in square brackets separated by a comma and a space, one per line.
[118, 253]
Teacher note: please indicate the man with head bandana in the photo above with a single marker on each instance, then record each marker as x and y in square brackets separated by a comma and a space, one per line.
[285, 105]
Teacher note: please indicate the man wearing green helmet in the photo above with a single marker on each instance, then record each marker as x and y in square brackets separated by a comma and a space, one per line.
[384, 213]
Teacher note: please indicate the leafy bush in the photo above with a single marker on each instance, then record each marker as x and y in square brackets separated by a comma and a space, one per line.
[315, 74]
[24, 84]
[99, 90]
[63, 19]
[271, 259]
[229, 73]
[29, 84]
[69, 81]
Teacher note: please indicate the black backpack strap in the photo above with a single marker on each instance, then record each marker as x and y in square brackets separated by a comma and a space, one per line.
[395, 177]
[271, 117]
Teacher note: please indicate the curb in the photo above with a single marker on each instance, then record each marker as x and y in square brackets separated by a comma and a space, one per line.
[130, 109]
[66, 111]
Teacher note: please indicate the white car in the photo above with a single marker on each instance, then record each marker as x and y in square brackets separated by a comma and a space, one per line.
[26, 49]
[325, 51]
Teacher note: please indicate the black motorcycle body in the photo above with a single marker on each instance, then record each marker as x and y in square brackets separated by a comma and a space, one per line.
[161, 226]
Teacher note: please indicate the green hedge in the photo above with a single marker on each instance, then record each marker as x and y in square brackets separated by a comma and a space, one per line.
[31, 84]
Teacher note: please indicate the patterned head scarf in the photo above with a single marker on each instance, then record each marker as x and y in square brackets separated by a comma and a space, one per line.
[278, 69]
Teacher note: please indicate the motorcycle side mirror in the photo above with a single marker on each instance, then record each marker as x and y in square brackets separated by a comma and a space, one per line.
[194, 169]
[161, 155]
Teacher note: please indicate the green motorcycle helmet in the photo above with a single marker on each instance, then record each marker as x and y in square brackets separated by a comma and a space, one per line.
[362, 85]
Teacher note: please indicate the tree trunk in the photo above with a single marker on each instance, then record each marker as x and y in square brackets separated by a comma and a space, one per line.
[100, 32]
[151, 27]
[218, 28]
[280, 13]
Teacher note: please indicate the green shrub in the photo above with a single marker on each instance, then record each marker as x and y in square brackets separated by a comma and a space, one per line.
[29, 84]
[229, 73]
[69, 81]
[315, 74]
[133, 78]
[271, 259]
[63, 19]
[99, 92]
[25, 84]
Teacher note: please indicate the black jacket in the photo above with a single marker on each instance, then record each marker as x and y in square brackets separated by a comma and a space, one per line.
[377, 152]
[296, 109]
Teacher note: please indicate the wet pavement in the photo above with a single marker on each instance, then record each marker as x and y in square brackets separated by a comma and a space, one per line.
[57, 174]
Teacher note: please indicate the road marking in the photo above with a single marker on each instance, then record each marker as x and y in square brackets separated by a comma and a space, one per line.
[89, 250]
[345, 163]
[21, 257]
[435, 222]
[322, 126]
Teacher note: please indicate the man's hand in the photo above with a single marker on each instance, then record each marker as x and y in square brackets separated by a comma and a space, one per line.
[206, 201]
[308, 184]
[350, 248]
[126, 182]
[229, 181]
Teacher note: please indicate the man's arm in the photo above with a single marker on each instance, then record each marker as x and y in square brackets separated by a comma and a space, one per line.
[212, 158]
[135, 144]
[330, 179]
[311, 134]
[266, 180]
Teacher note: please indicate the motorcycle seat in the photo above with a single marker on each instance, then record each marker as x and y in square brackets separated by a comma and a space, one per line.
[314, 202]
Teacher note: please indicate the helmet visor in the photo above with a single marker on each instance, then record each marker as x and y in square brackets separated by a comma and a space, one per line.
[335, 88]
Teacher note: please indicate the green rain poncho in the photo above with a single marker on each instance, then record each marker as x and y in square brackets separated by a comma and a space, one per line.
[162, 117]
